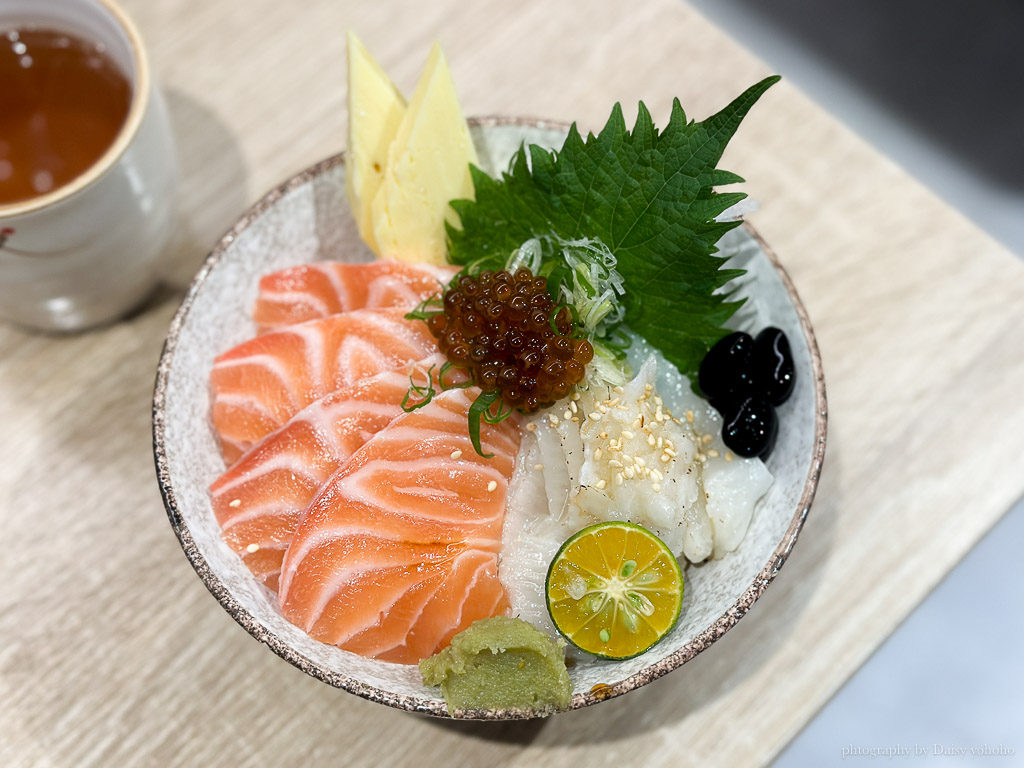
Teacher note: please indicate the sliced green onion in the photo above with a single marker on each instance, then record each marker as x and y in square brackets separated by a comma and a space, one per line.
[424, 392]
[426, 309]
[448, 365]
[500, 416]
[479, 407]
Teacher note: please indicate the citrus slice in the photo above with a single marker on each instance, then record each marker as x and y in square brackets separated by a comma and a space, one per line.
[614, 590]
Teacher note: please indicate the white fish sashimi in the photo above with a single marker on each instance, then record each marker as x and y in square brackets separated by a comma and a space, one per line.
[641, 465]
[732, 486]
[733, 489]
[700, 500]
[532, 535]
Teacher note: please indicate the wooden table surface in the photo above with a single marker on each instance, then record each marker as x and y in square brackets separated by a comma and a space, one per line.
[112, 653]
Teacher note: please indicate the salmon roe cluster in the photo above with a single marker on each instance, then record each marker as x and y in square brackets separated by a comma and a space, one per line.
[507, 332]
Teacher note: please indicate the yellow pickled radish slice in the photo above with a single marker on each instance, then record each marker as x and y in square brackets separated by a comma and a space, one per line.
[614, 590]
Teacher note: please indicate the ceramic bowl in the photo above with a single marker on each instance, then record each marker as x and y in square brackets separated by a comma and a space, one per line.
[307, 219]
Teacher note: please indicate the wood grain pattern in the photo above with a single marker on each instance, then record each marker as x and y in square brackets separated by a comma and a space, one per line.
[112, 652]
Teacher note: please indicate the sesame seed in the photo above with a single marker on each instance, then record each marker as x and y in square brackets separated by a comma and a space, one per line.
[252, 548]
[713, 453]
[627, 458]
[235, 504]
[627, 434]
[573, 407]
[619, 480]
[666, 458]
[650, 439]
[618, 390]
[615, 463]
[657, 475]
[706, 439]
[531, 427]
[575, 395]
[660, 442]
[658, 400]
[701, 457]
[538, 467]
[492, 485]
[648, 387]
[629, 472]
[602, 409]
[689, 416]
[456, 454]
[595, 416]
[613, 402]
[597, 453]
[603, 435]
[601, 485]
[670, 452]
[640, 461]
[553, 418]
[729, 456]
[655, 487]
[575, 419]
[638, 422]
[567, 415]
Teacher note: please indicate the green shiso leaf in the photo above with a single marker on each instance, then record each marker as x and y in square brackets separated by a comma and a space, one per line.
[648, 195]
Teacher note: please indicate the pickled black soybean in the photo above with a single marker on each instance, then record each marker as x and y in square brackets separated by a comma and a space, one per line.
[750, 427]
[772, 363]
[743, 378]
[727, 367]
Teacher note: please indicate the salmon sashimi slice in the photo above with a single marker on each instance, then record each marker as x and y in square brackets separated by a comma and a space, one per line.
[399, 550]
[259, 385]
[260, 500]
[310, 291]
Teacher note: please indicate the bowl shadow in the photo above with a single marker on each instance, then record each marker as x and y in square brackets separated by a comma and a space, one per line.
[213, 187]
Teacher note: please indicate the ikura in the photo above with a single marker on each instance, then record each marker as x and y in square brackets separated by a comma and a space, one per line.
[507, 332]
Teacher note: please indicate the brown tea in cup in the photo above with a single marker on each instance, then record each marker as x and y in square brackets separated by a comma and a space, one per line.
[62, 103]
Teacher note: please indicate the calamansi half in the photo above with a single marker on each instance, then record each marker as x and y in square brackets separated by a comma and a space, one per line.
[614, 590]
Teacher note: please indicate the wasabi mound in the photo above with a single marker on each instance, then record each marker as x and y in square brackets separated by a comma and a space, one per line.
[501, 663]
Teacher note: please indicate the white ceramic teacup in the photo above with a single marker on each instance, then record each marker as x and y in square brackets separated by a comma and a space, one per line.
[87, 252]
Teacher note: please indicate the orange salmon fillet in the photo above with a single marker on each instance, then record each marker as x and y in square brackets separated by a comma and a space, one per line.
[259, 385]
[399, 550]
[261, 499]
[307, 292]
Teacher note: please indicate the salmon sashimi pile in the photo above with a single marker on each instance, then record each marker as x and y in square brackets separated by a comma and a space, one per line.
[261, 498]
[311, 291]
[381, 527]
[259, 385]
[400, 549]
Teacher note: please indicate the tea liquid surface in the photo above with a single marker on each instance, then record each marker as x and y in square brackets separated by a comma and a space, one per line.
[62, 103]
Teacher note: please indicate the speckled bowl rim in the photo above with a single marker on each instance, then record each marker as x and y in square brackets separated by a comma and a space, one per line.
[409, 703]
